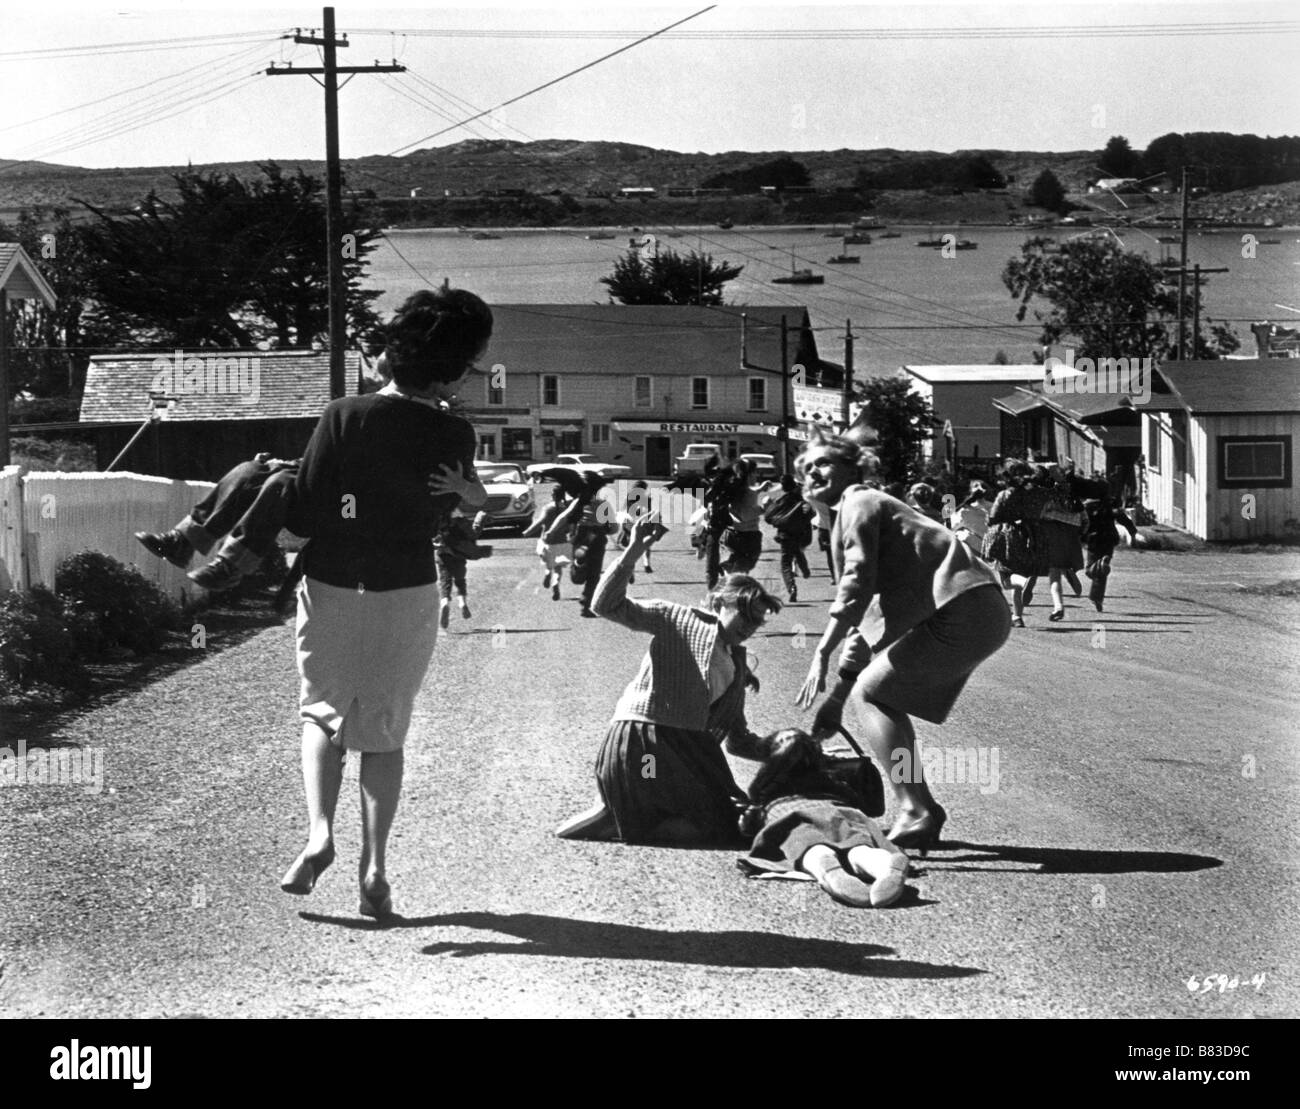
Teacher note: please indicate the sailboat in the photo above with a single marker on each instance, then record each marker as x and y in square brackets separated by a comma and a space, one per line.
[799, 277]
[844, 258]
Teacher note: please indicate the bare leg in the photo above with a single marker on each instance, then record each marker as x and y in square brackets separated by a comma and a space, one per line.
[381, 786]
[1018, 597]
[322, 775]
[1054, 584]
[889, 732]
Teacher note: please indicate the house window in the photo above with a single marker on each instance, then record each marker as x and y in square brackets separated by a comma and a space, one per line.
[1254, 461]
[551, 390]
[699, 392]
[757, 394]
[495, 397]
[642, 393]
[570, 442]
[487, 446]
[1153, 442]
[599, 434]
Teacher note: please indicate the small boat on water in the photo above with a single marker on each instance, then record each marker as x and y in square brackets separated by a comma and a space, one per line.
[1270, 242]
[1168, 239]
[844, 260]
[726, 224]
[857, 239]
[891, 234]
[799, 277]
[483, 235]
[966, 244]
[933, 244]
[602, 235]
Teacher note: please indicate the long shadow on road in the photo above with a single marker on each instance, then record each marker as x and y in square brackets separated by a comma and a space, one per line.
[1067, 860]
[562, 937]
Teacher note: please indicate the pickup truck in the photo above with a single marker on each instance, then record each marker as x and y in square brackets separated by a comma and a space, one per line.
[692, 460]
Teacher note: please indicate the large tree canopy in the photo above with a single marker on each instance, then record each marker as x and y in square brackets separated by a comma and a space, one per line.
[1107, 301]
[667, 277]
[228, 263]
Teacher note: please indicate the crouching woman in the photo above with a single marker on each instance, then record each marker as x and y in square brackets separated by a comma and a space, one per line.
[661, 771]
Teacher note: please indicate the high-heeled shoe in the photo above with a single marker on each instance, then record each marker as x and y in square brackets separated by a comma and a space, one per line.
[306, 870]
[920, 835]
[376, 900]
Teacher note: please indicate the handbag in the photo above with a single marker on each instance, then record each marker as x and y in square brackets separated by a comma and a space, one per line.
[859, 773]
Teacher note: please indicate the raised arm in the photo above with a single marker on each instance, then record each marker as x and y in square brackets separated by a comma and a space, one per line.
[611, 600]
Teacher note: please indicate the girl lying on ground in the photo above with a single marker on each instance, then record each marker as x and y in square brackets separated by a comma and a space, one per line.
[804, 815]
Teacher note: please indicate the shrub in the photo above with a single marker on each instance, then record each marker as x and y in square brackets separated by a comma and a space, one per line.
[115, 604]
[38, 642]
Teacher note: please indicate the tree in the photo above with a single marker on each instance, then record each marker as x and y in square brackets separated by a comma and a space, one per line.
[902, 418]
[1108, 302]
[667, 277]
[228, 263]
[1048, 192]
[1119, 159]
[50, 348]
[780, 173]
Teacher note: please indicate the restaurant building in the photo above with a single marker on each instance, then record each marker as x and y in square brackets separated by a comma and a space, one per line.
[636, 384]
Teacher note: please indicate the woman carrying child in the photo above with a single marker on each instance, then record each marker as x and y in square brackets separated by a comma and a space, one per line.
[368, 602]
[805, 816]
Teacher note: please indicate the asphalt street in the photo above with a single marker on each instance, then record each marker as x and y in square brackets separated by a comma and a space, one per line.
[1139, 837]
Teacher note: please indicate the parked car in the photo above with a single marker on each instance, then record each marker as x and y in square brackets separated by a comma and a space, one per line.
[583, 464]
[763, 466]
[692, 460]
[510, 501]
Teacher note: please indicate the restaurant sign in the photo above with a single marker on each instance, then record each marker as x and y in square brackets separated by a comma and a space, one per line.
[667, 428]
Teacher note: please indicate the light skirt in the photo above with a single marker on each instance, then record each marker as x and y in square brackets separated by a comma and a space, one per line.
[363, 658]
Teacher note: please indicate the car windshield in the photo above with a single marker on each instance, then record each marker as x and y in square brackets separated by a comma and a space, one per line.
[499, 474]
[579, 459]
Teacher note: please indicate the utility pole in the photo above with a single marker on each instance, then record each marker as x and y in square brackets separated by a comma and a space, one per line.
[333, 181]
[848, 374]
[1182, 273]
[785, 399]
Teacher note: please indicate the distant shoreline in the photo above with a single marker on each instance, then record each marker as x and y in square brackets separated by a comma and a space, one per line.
[684, 231]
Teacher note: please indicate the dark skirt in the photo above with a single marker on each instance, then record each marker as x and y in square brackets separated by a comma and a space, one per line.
[743, 548]
[649, 774]
[794, 824]
[1064, 550]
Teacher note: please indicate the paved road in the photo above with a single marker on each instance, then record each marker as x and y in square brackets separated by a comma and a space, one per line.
[1143, 830]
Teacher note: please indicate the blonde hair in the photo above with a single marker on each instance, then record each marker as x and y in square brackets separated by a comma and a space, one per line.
[842, 449]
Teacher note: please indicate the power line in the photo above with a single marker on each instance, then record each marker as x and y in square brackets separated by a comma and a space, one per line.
[1074, 31]
[557, 80]
[233, 38]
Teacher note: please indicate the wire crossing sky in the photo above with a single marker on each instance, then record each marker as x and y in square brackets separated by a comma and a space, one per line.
[99, 86]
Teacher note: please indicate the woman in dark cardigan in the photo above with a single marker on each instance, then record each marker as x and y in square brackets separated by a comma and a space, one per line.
[380, 475]
[661, 771]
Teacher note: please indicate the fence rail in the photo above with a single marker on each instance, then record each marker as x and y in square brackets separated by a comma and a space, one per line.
[46, 516]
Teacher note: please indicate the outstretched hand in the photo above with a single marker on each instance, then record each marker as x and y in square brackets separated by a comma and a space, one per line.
[646, 531]
[815, 683]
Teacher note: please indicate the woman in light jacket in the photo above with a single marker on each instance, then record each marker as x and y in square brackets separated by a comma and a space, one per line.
[921, 612]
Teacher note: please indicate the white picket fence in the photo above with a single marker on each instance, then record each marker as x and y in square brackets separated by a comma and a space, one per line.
[45, 517]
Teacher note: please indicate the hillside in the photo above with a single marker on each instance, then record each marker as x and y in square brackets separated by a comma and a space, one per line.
[581, 169]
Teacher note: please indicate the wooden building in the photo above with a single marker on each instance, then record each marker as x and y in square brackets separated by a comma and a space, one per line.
[204, 411]
[1219, 448]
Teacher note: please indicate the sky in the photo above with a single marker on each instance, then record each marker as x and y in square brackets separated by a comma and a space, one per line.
[740, 76]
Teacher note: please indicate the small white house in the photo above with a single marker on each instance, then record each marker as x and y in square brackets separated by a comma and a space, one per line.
[1219, 448]
[964, 395]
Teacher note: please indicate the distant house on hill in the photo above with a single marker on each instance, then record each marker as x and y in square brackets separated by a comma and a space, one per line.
[205, 410]
[1219, 448]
